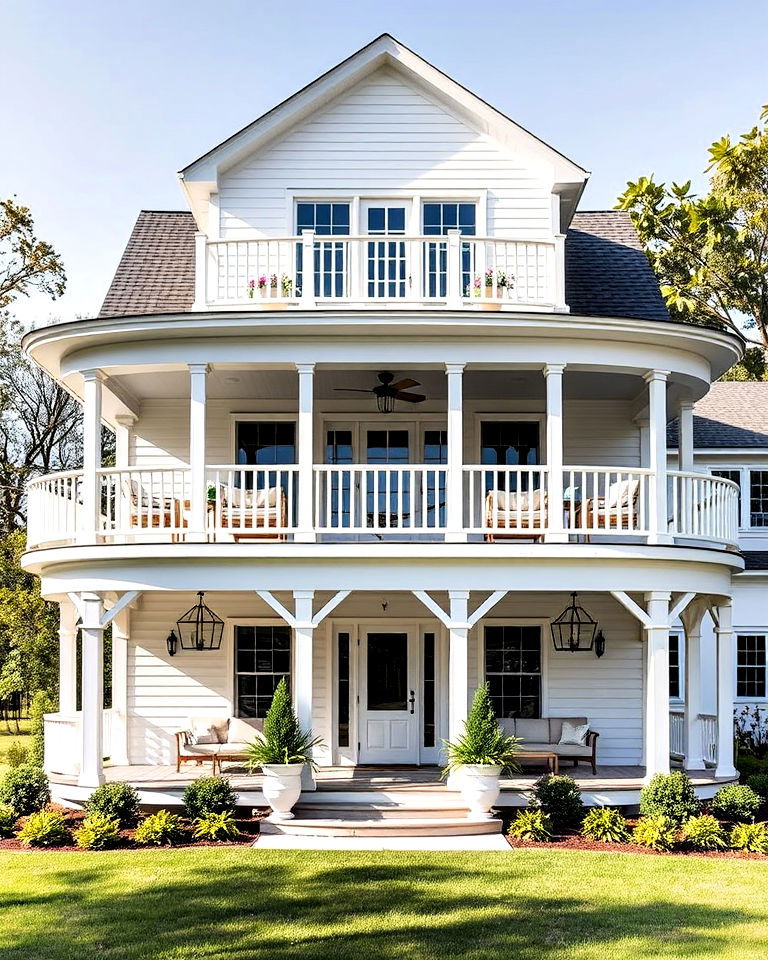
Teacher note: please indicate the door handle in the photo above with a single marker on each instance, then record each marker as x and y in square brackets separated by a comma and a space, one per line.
[412, 700]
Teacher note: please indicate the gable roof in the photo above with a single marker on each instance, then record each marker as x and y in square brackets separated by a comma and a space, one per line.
[732, 414]
[606, 272]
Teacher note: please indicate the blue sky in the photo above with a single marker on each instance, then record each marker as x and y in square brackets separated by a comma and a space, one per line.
[107, 101]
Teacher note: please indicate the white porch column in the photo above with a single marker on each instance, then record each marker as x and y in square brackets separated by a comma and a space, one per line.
[458, 669]
[692, 709]
[553, 373]
[92, 691]
[123, 432]
[685, 436]
[197, 490]
[454, 494]
[657, 430]
[121, 628]
[303, 633]
[726, 682]
[657, 684]
[89, 522]
[67, 658]
[305, 454]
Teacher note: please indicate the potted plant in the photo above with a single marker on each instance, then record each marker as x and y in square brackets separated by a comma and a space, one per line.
[481, 754]
[281, 751]
[273, 285]
[285, 285]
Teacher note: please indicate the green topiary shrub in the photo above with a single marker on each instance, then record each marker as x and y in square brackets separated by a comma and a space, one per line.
[161, 829]
[283, 740]
[8, 819]
[98, 832]
[216, 826]
[759, 783]
[25, 789]
[209, 795]
[736, 802]
[752, 837]
[606, 824]
[17, 755]
[46, 828]
[704, 833]
[560, 798]
[670, 795]
[531, 825]
[483, 741]
[657, 832]
[118, 801]
[40, 705]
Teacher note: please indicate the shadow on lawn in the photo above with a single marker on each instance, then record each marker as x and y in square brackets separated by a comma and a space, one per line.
[312, 909]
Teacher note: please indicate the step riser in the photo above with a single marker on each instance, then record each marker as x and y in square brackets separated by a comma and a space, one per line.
[306, 811]
[464, 828]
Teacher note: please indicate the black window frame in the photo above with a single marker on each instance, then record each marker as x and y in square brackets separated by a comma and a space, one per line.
[502, 682]
[751, 666]
[262, 691]
[676, 661]
[760, 499]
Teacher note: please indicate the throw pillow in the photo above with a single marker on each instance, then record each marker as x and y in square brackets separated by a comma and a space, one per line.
[203, 731]
[573, 733]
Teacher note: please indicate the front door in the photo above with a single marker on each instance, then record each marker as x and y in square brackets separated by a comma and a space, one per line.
[389, 709]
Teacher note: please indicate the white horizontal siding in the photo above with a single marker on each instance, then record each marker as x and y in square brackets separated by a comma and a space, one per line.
[384, 136]
[597, 432]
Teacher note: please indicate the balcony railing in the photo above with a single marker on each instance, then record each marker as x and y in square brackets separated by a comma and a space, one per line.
[312, 271]
[707, 727]
[380, 501]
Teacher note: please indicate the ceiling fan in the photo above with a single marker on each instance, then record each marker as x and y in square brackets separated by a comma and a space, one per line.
[386, 392]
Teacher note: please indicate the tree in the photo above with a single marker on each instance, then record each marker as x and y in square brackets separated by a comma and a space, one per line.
[710, 253]
[26, 263]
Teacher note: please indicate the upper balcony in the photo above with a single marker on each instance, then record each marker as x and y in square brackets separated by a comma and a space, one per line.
[311, 271]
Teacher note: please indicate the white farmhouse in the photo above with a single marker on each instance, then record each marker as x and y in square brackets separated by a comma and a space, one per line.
[389, 399]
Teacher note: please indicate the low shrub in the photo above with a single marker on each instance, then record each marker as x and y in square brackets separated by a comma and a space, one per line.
[45, 828]
[531, 825]
[658, 832]
[736, 802]
[8, 819]
[670, 795]
[216, 826]
[118, 801]
[40, 705]
[209, 795]
[16, 755]
[752, 837]
[759, 783]
[560, 798]
[25, 789]
[704, 833]
[161, 829]
[606, 824]
[98, 832]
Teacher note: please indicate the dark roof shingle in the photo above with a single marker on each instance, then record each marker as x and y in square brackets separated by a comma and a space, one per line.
[733, 414]
[606, 272]
[755, 559]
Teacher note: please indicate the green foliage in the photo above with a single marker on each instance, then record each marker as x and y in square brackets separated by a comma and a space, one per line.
[98, 832]
[736, 802]
[161, 829]
[670, 794]
[704, 833]
[483, 741]
[658, 832]
[710, 253]
[209, 795]
[283, 740]
[46, 828]
[752, 366]
[749, 766]
[41, 704]
[25, 789]
[216, 826]
[8, 818]
[118, 801]
[531, 825]
[606, 824]
[16, 755]
[759, 783]
[26, 263]
[751, 837]
[560, 798]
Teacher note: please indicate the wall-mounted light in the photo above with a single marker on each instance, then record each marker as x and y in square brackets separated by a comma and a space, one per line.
[172, 643]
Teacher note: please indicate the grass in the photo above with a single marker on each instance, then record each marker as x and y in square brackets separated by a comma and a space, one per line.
[7, 737]
[246, 904]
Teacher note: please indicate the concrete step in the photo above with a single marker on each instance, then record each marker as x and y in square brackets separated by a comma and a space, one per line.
[324, 809]
[395, 827]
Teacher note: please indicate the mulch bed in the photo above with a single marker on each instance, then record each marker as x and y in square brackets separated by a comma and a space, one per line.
[575, 842]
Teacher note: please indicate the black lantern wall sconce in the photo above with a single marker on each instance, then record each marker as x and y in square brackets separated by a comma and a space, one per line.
[198, 629]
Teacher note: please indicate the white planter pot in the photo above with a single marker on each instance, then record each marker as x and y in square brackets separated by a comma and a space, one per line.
[480, 789]
[282, 788]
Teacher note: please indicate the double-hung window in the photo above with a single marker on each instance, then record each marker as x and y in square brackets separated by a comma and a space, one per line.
[262, 659]
[758, 498]
[750, 666]
[513, 670]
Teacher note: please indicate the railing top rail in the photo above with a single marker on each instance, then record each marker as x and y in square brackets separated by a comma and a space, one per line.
[60, 475]
[540, 467]
[693, 475]
[343, 238]
[103, 471]
[645, 471]
[326, 467]
[252, 466]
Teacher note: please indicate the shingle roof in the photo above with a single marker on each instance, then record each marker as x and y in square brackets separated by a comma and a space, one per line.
[733, 414]
[755, 559]
[606, 271]
[157, 271]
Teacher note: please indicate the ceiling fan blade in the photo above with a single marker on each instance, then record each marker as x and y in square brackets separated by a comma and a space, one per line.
[404, 384]
[350, 390]
[410, 397]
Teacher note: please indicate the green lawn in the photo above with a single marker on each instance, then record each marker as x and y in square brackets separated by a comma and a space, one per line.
[246, 904]
[7, 737]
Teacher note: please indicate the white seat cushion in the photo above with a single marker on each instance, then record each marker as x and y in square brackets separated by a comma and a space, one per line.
[207, 729]
[532, 730]
[200, 749]
[240, 731]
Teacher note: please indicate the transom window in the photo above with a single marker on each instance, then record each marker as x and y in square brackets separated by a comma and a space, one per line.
[262, 659]
[750, 666]
[513, 670]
